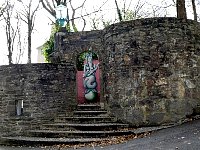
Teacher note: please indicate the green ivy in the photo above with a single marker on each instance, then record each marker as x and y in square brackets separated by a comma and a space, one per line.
[81, 59]
[48, 46]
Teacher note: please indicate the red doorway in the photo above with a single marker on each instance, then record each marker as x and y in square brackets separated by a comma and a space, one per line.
[80, 88]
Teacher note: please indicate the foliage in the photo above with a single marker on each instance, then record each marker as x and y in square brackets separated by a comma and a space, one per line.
[97, 23]
[100, 22]
[74, 28]
[81, 59]
[48, 46]
[128, 15]
[68, 28]
[106, 22]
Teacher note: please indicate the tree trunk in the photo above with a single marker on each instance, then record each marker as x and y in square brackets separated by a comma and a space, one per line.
[181, 10]
[9, 56]
[194, 10]
[9, 53]
[9, 42]
[118, 11]
[29, 43]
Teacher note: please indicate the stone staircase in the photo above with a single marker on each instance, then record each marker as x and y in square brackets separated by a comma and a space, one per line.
[89, 123]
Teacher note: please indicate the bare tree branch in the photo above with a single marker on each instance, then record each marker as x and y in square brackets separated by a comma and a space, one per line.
[25, 16]
[50, 10]
[32, 16]
[58, 2]
[53, 2]
[50, 7]
[28, 16]
[84, 23]
[129, 5]
[73, 13]
[118, 11]
[10, 29]
[19, 43]
[3, 9]
[138, 8]
[88, 14]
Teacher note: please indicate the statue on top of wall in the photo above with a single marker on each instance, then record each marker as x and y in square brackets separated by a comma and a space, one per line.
[89, 78]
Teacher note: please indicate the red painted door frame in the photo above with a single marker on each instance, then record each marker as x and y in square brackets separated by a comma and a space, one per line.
[80, 88]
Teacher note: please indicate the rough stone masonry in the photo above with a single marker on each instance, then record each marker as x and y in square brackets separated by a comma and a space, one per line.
[149, 72]
[46, 91]
[149, 67]
[153, 70]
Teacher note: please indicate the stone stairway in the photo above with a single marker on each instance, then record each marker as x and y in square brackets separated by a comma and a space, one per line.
[89, 123]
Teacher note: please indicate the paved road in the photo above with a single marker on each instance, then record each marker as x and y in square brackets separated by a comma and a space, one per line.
[183, 137]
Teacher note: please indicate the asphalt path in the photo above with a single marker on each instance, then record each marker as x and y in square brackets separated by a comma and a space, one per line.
[182, 137]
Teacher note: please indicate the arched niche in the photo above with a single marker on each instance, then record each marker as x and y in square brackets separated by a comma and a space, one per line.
[81, 90]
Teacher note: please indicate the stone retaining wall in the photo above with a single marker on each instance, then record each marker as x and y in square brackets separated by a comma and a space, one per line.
[46, 90]
[149, 67]
[153, 70]
[149, 72]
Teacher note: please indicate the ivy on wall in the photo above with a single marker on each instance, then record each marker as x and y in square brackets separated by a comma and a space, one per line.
[48, 46]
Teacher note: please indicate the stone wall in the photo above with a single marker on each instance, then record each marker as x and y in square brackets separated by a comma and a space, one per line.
[149, 72]
[153, 70]
[68, 46]
[149, 67]
[46, 90]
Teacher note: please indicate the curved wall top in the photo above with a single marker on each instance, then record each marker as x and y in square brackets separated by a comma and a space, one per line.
[153, 69]
[149, 67]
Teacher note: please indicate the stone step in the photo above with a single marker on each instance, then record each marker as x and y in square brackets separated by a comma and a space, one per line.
[26, 140]
[86, 113]
[89, 123]
[85, 127]
[30, 141]
[78, 134]
[88, 107]
[90, 113]
[83, 119]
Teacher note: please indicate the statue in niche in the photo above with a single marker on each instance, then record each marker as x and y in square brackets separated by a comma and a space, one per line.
[89, 78]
